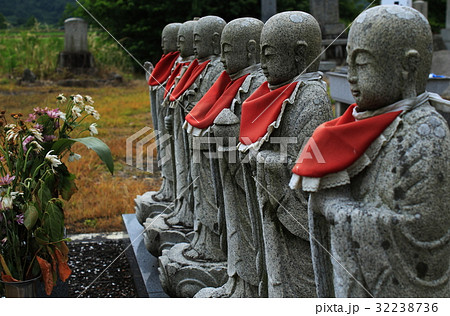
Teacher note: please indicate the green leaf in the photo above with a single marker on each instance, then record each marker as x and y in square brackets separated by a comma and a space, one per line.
[68, 186]
[31, 216]
[44, 194]
[54, 221]
[93, 143]
[41, 237]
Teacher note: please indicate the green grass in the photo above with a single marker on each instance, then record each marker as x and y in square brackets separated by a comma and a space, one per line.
[38, 50]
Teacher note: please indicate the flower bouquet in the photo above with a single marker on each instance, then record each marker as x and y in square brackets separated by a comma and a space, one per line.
[34, 182]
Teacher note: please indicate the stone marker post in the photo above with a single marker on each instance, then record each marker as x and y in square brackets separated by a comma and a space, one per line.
[76, 56]
[268, 8]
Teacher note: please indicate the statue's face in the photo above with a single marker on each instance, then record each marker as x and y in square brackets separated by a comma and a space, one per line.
[374, 77]
[277, 62]
[202, 45]
[185, 39]
[233, 57]
[169, 39]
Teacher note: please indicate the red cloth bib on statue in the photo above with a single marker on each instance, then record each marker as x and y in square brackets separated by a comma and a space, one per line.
[173, 76]
[339, 143]
[188, 78]
[163, 69]
[218, 97]
[260, 110]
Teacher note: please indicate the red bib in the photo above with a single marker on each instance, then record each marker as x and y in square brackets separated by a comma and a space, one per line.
[163, 69]
[173, 76]
[260, 110]
[188, 78]
[218, 97]
[339, 143]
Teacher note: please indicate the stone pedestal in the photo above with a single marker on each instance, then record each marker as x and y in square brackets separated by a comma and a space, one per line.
[181, 277]
[145, 207]
[160, 235]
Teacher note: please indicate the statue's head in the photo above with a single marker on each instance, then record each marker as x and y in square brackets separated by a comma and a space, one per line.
[186, 39]
[290, 45]
[240, 44]
[169, 37]
[207, 34]
[389, 55]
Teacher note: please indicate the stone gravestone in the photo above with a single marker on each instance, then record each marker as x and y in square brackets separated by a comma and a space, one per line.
[422, 7]
[76, 56]
[383, 213]
[446, 32]
[326, 13]
[268, 8]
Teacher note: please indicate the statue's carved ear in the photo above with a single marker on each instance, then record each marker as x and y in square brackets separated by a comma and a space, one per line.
[411, 61]
[216, 43]
[410, 64]
[216, 38]
[300, 51]
[251, 47]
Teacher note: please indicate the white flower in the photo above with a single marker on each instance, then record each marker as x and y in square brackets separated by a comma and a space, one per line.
[89, 109]
[62, 115]
[53, 159]
[89, 99]
[38, 148]
[10, 126]
[96, 115]
[93, 129]
[37, 134]
[73, 157]
[76, 111]
[6, 202]
[78, 99]
[12, 134]
[61, 98]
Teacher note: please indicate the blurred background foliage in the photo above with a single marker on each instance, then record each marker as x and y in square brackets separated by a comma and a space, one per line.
[137, 24]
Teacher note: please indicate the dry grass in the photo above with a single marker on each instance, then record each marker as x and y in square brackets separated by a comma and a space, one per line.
[101, 198]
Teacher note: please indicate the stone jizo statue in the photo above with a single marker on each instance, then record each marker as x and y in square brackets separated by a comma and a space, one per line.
[152, 203]
[379, 197]
[240, 55]
[275, 122]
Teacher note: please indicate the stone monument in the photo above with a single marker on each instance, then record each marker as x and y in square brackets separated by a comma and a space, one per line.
[275, 121]
[153, 203]
[445, 33]
[205, 246]
[379, 203]
[326, 13]
[76, 56]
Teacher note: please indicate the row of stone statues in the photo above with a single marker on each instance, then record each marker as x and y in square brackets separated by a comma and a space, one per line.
[265, 195]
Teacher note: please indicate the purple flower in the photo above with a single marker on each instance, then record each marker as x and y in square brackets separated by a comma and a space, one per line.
[39, 127]
[31, 117]
[20, 218]
[6, 179]
[26, 141]
[53, 113]
[49, 138]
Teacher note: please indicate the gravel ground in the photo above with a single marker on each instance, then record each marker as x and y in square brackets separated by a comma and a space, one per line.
[89, 259]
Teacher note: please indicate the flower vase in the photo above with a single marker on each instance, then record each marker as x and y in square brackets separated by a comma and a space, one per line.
[21, 289]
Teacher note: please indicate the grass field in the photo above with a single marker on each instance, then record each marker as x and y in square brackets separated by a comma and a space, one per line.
[38, 50]
[101, 198]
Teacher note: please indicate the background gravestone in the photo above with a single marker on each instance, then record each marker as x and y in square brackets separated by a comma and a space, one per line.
[76, 57]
